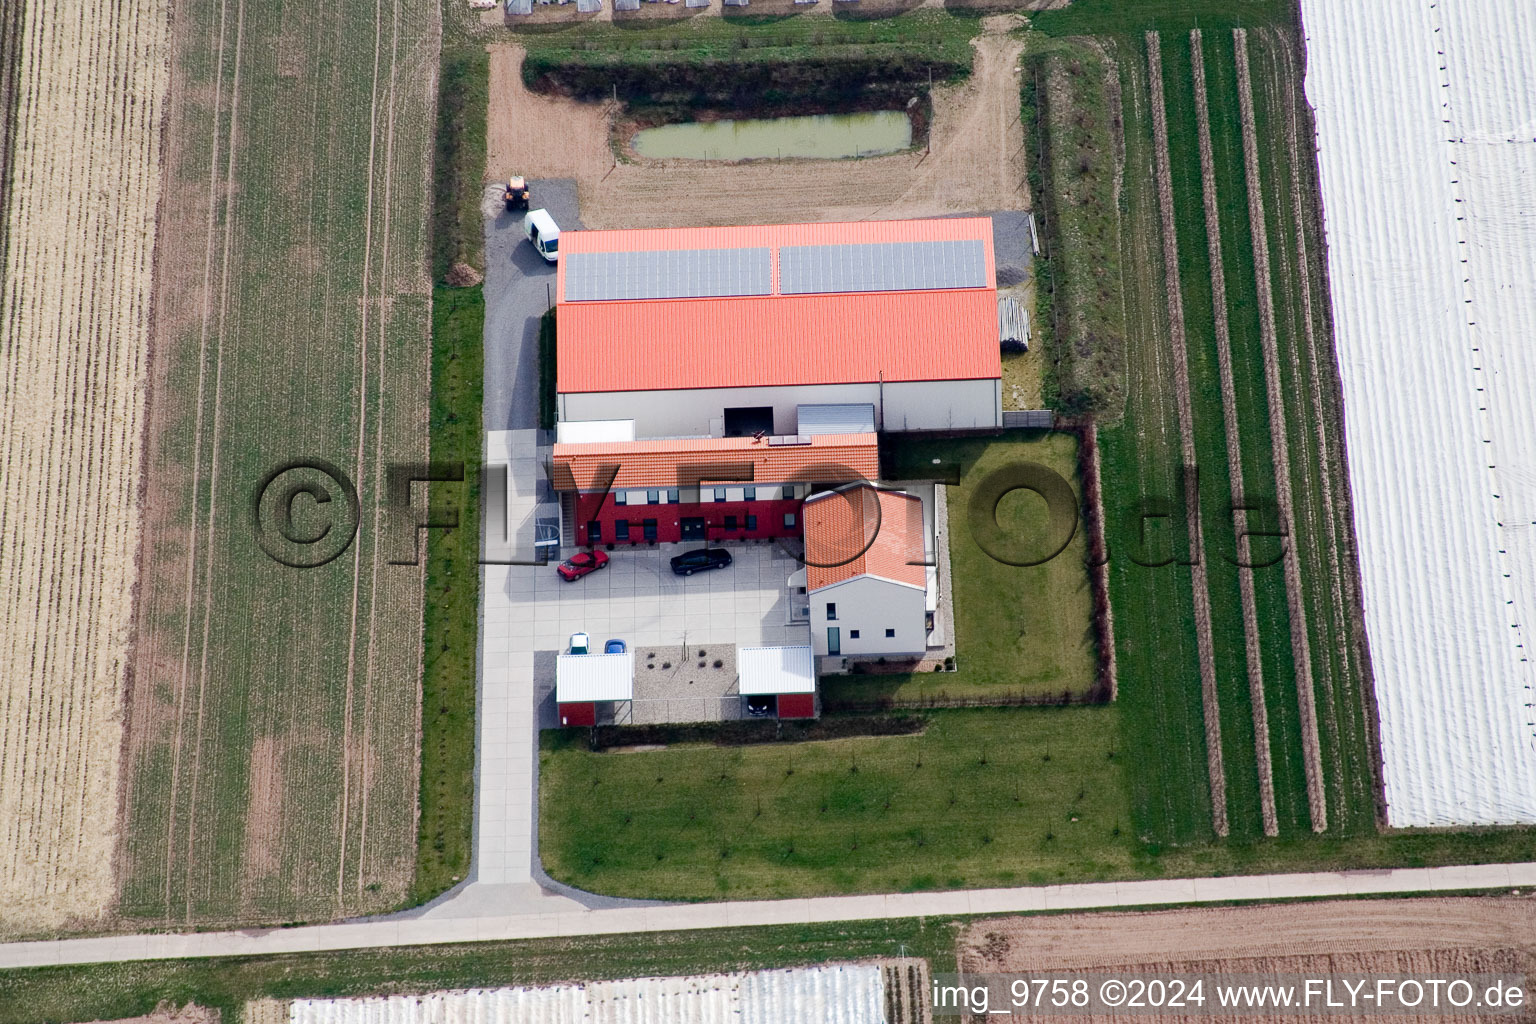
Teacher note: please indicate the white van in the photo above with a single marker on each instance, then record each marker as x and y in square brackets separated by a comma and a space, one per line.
[543, 232]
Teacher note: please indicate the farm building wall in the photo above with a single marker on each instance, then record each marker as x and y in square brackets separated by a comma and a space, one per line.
[869, 606]
[904, 405]
[723, 520]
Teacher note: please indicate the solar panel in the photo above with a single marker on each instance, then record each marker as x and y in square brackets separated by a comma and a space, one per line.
[882, 267]
[668, 274]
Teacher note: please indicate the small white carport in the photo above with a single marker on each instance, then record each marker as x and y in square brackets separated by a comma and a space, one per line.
[582, 681]
[785, 673]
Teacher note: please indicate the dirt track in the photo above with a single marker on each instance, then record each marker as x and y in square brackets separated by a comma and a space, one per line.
[975, 165]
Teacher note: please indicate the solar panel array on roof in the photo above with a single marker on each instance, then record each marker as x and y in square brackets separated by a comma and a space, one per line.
[882, 266]
[667, 274]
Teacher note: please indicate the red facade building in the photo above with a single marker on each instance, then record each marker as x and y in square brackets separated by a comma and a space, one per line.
[703, 488]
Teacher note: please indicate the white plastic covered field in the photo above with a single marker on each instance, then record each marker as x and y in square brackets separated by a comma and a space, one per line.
[1426, 121]
[825, 995]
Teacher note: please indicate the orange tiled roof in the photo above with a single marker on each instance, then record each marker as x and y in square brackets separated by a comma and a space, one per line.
[838, 527]
[828, 458]
[777, 339]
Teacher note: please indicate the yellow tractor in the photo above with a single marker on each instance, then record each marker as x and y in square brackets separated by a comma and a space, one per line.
[516, 194]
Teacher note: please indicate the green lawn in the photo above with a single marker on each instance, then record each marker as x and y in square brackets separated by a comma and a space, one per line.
[983, 797]
[1020, 631]
[451, 616]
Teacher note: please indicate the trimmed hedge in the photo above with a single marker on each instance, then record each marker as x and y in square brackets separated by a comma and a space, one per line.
[833, 78]
[756, 730]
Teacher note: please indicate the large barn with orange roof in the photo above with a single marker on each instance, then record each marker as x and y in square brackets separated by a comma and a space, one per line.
[730, 330]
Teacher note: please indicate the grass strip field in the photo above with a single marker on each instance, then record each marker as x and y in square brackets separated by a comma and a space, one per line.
[452, 605]
[1020, 631]
[1296, 612]
[1150, 586]
[1324, 536]
[1223, 338]
[1310, 627]
[273, 730]
[1209, 697]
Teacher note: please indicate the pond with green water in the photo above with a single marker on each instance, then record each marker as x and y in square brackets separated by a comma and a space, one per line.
[820, 137]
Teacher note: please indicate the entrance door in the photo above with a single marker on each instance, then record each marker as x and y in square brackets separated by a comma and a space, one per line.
[595, 532]
[834, 640]
[693, 528]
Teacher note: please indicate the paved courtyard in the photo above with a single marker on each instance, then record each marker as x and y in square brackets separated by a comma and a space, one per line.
[637, 599]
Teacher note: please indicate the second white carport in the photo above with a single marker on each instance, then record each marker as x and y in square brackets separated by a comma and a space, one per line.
[786, 673]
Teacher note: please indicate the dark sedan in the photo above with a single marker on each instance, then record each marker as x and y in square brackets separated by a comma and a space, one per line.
[700, 559]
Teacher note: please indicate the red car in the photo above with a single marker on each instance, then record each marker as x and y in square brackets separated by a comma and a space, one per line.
[581, 563]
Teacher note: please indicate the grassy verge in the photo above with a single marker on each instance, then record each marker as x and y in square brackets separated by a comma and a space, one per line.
[114, 991]
[459, 162]
[1021, 632]
[452, 600]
